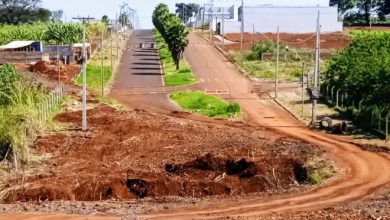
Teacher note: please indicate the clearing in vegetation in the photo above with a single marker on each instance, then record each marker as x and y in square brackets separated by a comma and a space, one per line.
[173, 77]
[157, 156]
[260, 62]
[201, 103]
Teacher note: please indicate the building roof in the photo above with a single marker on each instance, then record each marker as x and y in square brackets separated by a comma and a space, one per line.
[16, 45]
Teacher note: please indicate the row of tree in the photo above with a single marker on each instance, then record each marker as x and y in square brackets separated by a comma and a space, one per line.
[26, 11]
[172, 30]
[363, 9]
[362, 70]
[187, 11]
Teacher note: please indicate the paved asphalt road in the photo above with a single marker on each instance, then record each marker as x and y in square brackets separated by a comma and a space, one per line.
[139, 71]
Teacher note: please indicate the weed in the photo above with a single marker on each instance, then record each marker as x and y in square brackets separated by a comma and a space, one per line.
[207, 105]
[318, 170]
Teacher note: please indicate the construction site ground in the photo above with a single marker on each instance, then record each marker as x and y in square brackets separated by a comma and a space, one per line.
[162, 163]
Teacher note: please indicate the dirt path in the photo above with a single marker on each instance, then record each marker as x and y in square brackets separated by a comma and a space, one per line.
[365, 172]
[140, 68]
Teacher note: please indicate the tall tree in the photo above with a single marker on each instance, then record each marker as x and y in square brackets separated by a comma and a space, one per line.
[173, 31]
[56, 16]
[186, 11]
[366, 7]
[22, 11]
[383, 8]
[105, 19]
[343, 5]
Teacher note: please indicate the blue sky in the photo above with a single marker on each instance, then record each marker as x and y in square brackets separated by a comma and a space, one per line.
[98, 8]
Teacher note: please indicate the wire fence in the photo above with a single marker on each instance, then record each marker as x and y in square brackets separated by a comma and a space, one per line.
[371, 116]
[51, 103]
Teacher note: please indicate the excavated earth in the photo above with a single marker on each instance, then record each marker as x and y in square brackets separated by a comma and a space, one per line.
[330, 41]
[135, 154]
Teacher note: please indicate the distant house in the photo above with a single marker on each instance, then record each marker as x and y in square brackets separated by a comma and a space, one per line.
[266, 18]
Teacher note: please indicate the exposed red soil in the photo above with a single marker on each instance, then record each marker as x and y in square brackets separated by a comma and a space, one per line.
[135, 154]
[50, 70]
[338, 40]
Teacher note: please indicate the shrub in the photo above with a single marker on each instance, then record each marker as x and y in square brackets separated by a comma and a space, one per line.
[260, 48]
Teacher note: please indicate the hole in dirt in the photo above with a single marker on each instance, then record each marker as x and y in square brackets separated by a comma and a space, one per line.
[138, 187]
[300, 173]
[242, 167]
[4, 151]
[109, 192]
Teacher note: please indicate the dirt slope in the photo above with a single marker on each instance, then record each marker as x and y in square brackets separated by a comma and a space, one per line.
[365, 174]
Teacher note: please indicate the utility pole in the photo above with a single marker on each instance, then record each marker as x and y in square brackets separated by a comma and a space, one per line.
[316, 72]
[117, 37]
[303, 90]
[111, 48]
[84, 60]
[223, 32]
[102, 60]
[58, 65]
[277, 64]
[242, 25]
[204, 9]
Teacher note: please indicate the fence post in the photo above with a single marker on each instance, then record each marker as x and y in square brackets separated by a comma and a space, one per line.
[337, 98]
[342, 100]
[360, 105]
[327, 90]
[387, 127]
[332, 91]
[379, 119]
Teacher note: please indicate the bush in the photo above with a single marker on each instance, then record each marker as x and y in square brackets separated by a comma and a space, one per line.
[8, 78]
[207, 105]
[260, 48]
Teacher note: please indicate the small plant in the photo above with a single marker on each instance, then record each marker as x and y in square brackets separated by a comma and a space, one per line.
[318, 171]
[260, 48]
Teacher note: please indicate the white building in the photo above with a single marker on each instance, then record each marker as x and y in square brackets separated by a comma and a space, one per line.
[266, 18]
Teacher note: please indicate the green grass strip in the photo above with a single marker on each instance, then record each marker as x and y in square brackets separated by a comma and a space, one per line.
[173, 77]
[94, 77]
[207, 105]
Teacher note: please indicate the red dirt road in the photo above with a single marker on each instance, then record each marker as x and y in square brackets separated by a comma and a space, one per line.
[365, 172]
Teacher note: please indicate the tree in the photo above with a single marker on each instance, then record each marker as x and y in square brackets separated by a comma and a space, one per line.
[105, 19]
[383, 8]
[22, 11]
[172, 30]
[186, 11]
[56, 16]
[365, 7]
[343, 5]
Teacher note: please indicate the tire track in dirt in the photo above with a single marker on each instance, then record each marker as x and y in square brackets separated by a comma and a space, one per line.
[365, 172]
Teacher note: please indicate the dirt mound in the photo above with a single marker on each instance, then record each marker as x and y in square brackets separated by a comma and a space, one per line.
[52, 69]
[328, 41]
[136, 154]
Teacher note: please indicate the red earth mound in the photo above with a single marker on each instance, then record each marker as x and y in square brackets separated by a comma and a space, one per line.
[135, 154]
[52, 70]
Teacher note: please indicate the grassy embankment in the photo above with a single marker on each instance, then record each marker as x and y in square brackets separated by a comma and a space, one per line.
[207, 105]
[94, 70]
[19, 121]
[290, 62]
[173, 77]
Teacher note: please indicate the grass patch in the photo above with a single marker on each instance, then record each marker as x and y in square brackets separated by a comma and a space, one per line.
[173, 77]
[290, 67]
[94, 77]
[319, 170]
[207, 105]
[19, 123]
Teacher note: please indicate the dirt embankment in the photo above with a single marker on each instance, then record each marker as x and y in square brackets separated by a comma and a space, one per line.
[336, 41]
[52, 70]
[135, 154]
